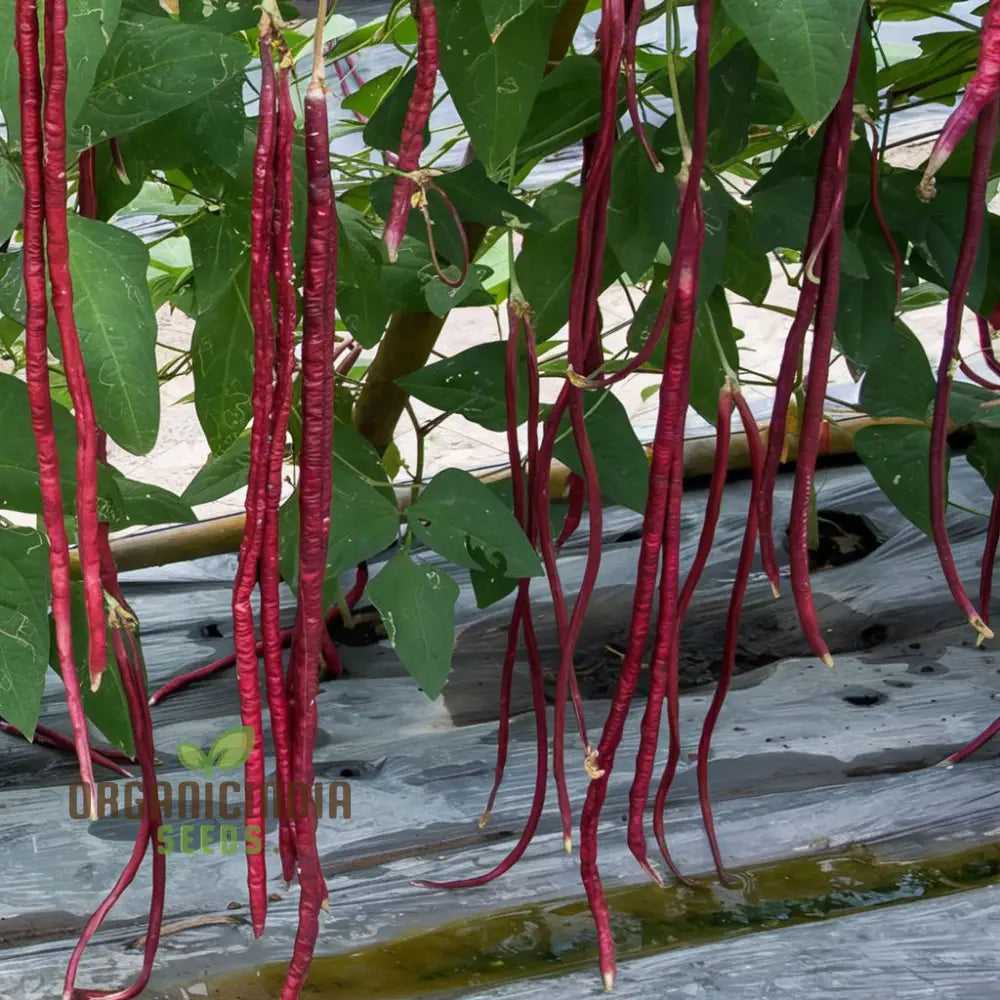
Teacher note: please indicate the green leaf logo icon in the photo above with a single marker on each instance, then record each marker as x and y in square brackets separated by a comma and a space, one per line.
[192, 757]
[232, 748]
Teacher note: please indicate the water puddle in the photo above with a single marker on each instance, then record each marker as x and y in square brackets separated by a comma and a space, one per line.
[558, 937]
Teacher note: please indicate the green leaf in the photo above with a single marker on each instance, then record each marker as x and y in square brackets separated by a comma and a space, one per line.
[899, 381]
[360, 302]
[417, 605]
[91, 23]
[19, 485]
[363, 523]
[493, 81]
[897, 456]
[545, 264]
[213, 125]
[622, 467]
[714, 329]
[490, 586]
[220, 246]
[567, 108]
[148, 504]
[232, 748]
[984, 455]
[222, 364]
[116, 325]
[807, 43]
[865, 327]
[221, 475]
[730, 81]
[192, 757]
[384, 128]
[107, 707]
[24, 631]
[117, 328]
[459, 517]
[470, 383]
[642, 209]
[746, 270]
[154, 66]
[442, 298]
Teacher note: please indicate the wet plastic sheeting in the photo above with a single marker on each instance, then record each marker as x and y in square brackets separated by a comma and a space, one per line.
[804, 759]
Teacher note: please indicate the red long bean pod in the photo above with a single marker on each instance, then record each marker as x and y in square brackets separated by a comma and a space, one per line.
[635, 10]
[737, 595]
[811, 424]
[283, 269]
[526, 515]
[986, 346]
[132, 673]
[974, 376]
[418, 113]
[577, 492]
[805, 310]
[967, 751]
[315, 478]
[44, 736]
[712, 510]
[667, 441]
[980, 92]
[37, 373]
[989, 558]
[583, 326]
[986, 131]
[86, 196]
[883, 225]
[285, 637]
[664, 681]
[249, 564]
[57, 253]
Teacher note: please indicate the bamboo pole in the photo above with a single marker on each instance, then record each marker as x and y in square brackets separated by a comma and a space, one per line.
[221, 536]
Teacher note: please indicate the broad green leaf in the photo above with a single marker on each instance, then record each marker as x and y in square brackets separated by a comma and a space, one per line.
[220, 246]
[213, 125]
[935, 228]
[622, 468]
[897, 456]
[984, 455]
[193, 757]
[221, 475]
[545, 264]
[567, 107]
[24, 630]
[730, 81]
[459, 517]
[384, 128]
[222, 363]
[865, 328]
[899, 381]
[366, 99]
[232, 748]
[470, 383]
[363, 523]
[154, 66]
[417, 605]
[746, 270]
[360, 303]
[442, 298]
[148, 504]
[807, 43]
[90, 25]
[117, 328]
[116, 325]
[493, 80]
[713, 330]
[642, 209]
[491, 585]
[19, 487]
